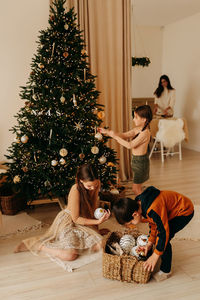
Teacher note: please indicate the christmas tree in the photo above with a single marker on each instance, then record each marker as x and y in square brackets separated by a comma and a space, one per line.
[56, 128]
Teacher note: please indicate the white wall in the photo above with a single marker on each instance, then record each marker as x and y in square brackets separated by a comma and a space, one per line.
[20, 22]
[181, 61]
[146, 41]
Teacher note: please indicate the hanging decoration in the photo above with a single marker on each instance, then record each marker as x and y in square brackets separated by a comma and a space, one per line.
[140, 61]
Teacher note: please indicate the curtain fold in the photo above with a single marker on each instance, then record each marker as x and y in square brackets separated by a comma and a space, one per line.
[106, 28]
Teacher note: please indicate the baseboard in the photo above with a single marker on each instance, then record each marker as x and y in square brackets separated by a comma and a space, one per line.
[192, 147]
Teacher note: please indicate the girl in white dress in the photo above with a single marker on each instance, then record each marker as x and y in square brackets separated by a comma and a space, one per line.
[74, 230]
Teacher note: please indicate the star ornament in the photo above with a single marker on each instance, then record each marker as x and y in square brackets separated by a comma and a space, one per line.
[78, 126]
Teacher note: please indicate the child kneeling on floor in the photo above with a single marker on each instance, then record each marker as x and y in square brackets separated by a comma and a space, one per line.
[167, 212]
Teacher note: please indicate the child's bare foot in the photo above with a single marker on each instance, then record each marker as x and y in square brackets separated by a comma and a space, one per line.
[20, 248]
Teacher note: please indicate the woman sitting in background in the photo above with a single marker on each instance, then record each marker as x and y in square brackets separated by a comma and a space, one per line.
[164, 98]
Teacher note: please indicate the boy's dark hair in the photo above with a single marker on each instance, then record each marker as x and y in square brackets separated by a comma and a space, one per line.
[124, 208]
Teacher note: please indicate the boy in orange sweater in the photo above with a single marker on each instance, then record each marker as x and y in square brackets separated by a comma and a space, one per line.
[167, 212]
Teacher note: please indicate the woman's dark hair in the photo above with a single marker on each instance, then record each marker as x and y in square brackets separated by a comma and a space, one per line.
[144, 111]
[160, 88]
[85, 172]
[124, 208]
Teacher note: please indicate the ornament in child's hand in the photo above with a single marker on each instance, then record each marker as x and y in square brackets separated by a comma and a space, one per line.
[99, 212]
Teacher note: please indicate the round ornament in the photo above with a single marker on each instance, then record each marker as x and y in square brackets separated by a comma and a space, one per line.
[114, 192]
[102, 160]
[62, 161]
[98, 136]
[65, 54]
[63, 152]
[84, 52]
[134, 252]
[24, 139]
[99, 212]
[101, 114]
[66, 26]
[62, 99]
[81, 155]
[54, 163]
[16, 179]
[110, 164]
[127, 242]
[142, 240]
[95, 150]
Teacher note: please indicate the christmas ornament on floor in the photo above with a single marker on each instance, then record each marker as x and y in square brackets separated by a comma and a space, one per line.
[60, 114]
[99, 212]
[127, 242]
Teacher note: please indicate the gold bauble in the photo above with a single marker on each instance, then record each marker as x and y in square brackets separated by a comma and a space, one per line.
[62, 99]
[62, 161]
[54, 163]
[98, 136]
[81, 155]
[110, 164]
[101, 114]
[102, 160]
[65, 54]
[24, 139]
[95, 150]
[84, 52]
[41, 66]
[63, 152]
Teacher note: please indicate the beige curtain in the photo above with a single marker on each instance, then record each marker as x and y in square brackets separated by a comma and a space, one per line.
[106, 25]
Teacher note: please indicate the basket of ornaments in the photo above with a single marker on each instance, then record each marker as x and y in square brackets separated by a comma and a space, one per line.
[121, 258]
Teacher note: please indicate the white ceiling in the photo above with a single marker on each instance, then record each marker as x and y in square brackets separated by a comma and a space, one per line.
[163, 12]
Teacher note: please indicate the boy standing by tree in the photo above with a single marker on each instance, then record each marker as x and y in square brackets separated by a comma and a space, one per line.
[167, 212]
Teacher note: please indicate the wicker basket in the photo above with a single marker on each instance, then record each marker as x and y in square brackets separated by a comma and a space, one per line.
[125, 267]
[11, 204]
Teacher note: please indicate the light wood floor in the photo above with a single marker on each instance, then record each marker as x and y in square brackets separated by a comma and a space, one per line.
[24, 276]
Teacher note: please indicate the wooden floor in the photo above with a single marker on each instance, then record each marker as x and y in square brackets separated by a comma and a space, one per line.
[24, 276]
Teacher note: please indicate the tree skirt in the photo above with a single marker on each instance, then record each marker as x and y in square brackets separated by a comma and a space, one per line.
[19, 223]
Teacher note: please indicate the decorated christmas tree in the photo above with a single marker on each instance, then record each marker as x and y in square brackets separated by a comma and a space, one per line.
[56, 128]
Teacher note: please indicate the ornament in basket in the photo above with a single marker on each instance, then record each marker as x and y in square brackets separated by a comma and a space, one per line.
[124, 267]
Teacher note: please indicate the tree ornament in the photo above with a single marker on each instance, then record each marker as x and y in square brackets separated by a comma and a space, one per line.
[17, 140]
[41, 66]
[16, 179]
[66, 26]
[134, 252]
[78, 126]
[81, 155]
[63, 152]
[114, 191]
[110, 164]
[65, 54]
[62, 161]
[25, 169]
[84, 52]
[101, 114]
[34, 97]
[99, 212]
[54, 163]
[95, 150]
[127, 242]
[98, 136]
[62, 99]
[47, 183]
[102, 160]
[24, 139]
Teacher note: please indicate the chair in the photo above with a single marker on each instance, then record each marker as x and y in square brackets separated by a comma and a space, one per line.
[170, 133]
